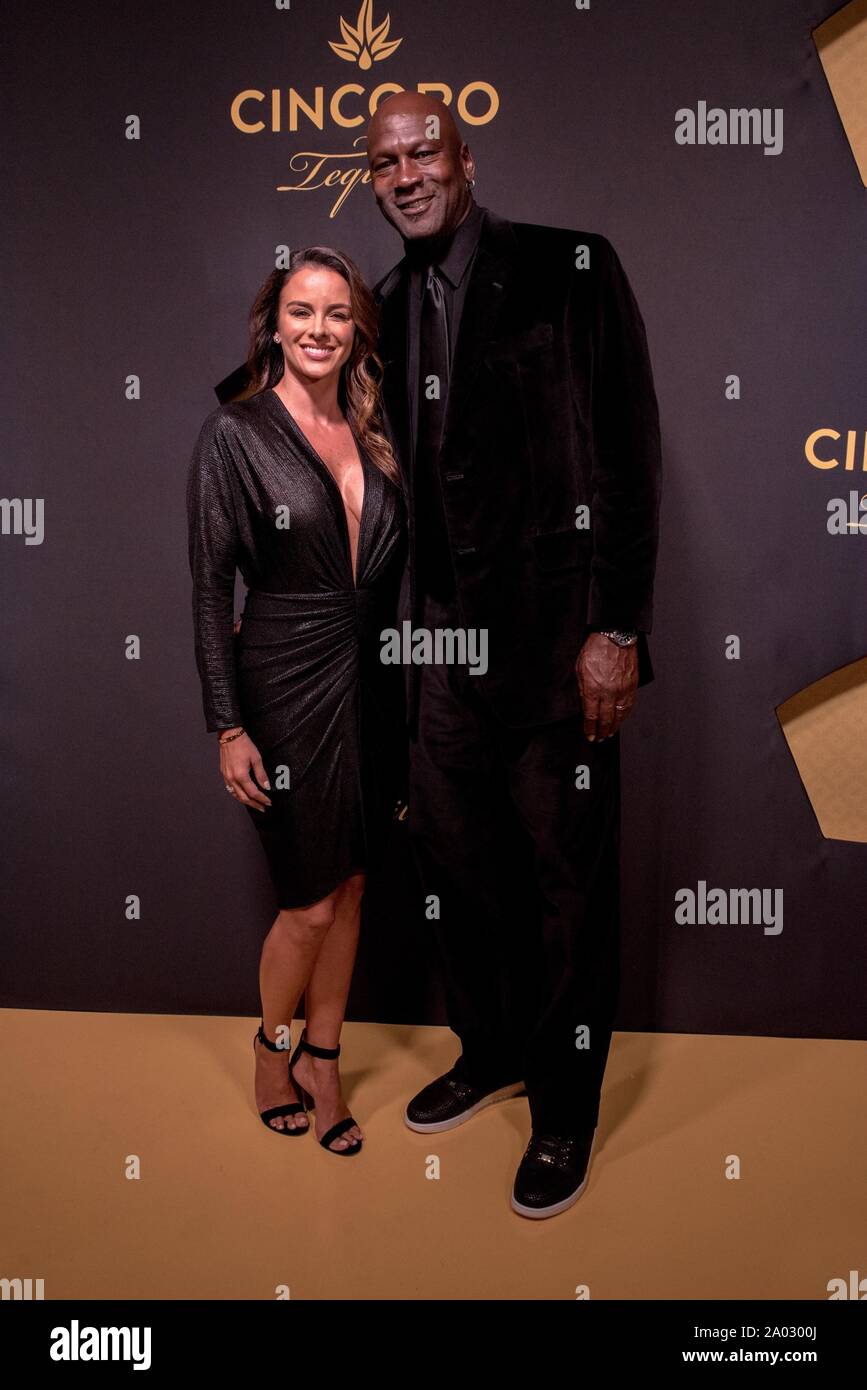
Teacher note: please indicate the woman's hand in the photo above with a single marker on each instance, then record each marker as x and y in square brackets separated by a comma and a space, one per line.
[238, 759]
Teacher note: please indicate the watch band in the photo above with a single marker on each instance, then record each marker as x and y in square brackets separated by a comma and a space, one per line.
[623, 639]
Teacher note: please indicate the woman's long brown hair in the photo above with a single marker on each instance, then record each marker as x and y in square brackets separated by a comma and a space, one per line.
[359, 390]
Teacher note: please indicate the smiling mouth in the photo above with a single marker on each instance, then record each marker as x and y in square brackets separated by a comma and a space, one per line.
[415, 205]
[318, 353]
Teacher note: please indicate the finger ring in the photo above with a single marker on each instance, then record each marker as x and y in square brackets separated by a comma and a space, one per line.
[229, 790]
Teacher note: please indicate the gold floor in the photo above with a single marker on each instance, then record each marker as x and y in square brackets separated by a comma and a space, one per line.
[223, 1209]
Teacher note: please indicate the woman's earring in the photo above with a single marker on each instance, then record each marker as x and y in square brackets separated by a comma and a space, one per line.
[471, 183]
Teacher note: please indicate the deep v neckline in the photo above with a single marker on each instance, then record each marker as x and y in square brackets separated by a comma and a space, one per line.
[334, 484]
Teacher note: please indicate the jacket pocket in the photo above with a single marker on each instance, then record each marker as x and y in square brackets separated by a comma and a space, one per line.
[508, 349]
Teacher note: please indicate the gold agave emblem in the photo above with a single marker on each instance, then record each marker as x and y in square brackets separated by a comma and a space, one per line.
[365, 44]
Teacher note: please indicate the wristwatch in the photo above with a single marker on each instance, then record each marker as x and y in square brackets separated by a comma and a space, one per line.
[623, 639]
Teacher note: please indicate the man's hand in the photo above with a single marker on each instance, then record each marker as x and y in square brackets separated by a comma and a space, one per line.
[607, 679]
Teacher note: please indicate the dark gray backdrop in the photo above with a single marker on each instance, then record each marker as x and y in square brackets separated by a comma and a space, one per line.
[144, 256]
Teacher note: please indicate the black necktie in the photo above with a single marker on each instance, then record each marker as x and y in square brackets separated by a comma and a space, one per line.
[433, 561]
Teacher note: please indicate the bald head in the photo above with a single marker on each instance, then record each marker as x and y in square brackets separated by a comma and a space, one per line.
[419, 165]
[412, 103]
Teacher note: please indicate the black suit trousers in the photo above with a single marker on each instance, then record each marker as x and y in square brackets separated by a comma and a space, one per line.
[520, 870]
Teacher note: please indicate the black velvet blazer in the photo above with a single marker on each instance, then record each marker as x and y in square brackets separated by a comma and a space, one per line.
[551, 410]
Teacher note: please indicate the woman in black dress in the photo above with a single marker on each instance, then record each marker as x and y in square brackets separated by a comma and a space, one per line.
[296, 486]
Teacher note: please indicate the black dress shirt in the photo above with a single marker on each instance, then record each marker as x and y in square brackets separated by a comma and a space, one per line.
[453, 260]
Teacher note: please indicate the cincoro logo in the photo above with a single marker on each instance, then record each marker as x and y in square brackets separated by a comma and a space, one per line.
[366, 43]
[284, 115]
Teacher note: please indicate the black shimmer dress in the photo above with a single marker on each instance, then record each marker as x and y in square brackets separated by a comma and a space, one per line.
[303, 675]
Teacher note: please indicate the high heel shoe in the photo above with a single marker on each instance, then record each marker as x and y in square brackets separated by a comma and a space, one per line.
[292, 1107]
[310, 1101]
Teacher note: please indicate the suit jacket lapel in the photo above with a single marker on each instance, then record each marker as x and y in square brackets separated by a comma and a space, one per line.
[489, 275]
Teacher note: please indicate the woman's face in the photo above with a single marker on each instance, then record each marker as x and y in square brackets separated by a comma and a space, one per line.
[315, 323]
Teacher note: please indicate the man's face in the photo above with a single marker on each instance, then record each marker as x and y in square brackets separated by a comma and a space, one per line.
[419, 182]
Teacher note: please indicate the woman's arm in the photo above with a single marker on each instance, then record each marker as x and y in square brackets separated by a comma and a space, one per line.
[213, 550]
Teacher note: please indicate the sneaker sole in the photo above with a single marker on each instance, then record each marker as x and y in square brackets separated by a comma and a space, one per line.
[540, 1213]
[517, 1088]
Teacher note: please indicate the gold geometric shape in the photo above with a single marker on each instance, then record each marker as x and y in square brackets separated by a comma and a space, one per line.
[842, 45]
[824, 726]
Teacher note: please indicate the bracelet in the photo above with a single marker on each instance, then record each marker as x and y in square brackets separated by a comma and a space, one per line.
[231, 738]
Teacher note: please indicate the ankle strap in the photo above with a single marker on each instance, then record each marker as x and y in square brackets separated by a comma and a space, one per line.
[327, 1052]
[271, 1046]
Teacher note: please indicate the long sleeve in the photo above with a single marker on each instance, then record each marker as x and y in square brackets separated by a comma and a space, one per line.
[626, 470]
[213, 548]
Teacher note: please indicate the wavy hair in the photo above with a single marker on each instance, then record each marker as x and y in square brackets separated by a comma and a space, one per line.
[359, 391]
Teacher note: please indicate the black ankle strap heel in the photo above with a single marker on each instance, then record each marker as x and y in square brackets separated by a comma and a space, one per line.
[294, 1107]
[266, 1042]
[328, 1054]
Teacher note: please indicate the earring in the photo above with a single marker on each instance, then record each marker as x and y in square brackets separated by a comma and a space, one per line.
[471, 183]
[276, 337]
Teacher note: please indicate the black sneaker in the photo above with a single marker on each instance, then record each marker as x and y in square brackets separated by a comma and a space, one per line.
[552, 1174]
[451, 1099]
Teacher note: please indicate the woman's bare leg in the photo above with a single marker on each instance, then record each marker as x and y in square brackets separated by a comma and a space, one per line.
[327, 992]
[289, 955]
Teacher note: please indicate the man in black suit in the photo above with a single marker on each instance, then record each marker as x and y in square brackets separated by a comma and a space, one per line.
[520, 401]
